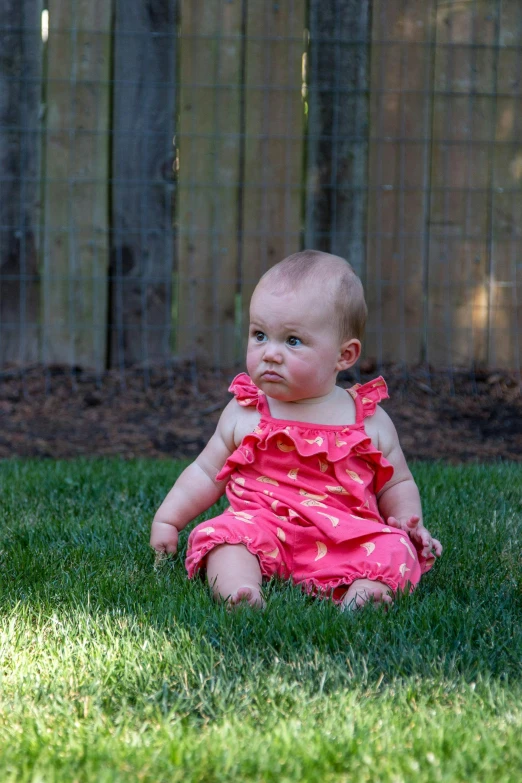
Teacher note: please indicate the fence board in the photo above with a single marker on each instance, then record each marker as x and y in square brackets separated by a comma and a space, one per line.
[20, 87]
[142, 248]
[399, 174]
[273, 168]
[505, 315]
[337, 170]
[209, 159]
[458, 286]
[76, 192]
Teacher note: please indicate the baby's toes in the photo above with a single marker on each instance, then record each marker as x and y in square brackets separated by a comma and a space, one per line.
[362, 592]
[380, 598]
[249, 595]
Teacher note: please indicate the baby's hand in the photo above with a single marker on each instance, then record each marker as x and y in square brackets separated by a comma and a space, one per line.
[419, 534]
[163, 538]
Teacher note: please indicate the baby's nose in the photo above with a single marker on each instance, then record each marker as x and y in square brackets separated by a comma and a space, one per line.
[272, 352]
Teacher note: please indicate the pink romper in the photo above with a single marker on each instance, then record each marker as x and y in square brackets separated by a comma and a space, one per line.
[303, 500]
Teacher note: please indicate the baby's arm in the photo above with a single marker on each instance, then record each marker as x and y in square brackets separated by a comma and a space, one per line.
[399, 500]
[196, 489]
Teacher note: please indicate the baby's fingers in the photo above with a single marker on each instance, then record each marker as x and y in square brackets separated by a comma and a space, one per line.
[412, 523]
[393, 522]
[434, 548]
[410, 526]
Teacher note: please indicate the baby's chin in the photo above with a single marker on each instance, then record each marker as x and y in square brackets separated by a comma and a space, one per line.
[281, 392]
[277, 390]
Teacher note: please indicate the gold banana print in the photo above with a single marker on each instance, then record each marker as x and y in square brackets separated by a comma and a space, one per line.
[337, 490]
[244, 516]
[322, 549]
[286, 447]
[333, 520]
[407, 545]
[311, 495]
[317, 440]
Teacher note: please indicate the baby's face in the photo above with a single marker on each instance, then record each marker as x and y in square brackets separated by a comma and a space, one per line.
[294, 346]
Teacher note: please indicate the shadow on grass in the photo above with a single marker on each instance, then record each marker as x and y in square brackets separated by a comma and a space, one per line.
[73, 548]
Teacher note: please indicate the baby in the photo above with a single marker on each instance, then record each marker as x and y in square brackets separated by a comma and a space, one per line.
[318, 486]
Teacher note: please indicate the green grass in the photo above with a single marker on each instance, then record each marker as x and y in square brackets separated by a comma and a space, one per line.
[111, 671]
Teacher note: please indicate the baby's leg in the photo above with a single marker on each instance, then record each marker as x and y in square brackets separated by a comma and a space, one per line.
[363, 590]
[234, 574]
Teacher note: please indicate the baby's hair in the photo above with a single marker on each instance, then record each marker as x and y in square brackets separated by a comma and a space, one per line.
[317, 268]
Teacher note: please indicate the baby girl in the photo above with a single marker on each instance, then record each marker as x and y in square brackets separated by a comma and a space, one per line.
[318, 486]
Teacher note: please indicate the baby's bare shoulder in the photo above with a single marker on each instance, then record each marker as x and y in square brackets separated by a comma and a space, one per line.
[247, 420]
[237, 421]
[381, 429]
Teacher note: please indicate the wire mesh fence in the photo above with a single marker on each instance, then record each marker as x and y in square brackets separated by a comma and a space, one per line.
[157, 156]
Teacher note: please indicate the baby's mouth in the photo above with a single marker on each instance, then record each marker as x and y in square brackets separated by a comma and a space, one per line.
[270, 375]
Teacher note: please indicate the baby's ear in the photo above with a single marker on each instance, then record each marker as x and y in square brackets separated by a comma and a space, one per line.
[348, 355]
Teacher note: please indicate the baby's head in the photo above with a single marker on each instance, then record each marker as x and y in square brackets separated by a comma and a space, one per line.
[307, 315]
[332, 278]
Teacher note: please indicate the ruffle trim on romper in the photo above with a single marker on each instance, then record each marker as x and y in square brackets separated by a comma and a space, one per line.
[310, 585]
[313, 586]
[337, 442]
[194, 560]
[370, 394]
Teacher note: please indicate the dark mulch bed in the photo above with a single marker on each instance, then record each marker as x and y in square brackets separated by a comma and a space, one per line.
[458, 417]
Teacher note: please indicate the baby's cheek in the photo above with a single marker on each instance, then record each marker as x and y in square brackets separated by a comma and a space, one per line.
[251, 360]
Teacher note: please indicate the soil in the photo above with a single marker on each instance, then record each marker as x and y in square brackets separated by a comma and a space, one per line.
[63, 413]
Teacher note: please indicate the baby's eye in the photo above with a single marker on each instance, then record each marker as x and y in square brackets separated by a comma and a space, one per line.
[294, 341]
[258, 336]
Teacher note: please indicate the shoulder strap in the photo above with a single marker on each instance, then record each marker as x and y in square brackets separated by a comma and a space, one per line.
[367, 396]
[246, 392]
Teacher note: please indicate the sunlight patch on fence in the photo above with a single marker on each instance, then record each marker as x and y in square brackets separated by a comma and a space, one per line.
[45, 25]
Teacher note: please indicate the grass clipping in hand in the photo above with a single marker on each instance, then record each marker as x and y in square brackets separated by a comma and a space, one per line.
[160, 558]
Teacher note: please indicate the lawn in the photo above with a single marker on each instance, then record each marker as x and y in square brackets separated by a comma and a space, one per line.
[112, 671]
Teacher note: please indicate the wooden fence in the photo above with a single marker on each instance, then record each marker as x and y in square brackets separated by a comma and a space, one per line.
[156, 156]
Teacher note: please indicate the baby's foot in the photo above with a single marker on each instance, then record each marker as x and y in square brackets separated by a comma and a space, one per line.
[246, 594]
[362, 591]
